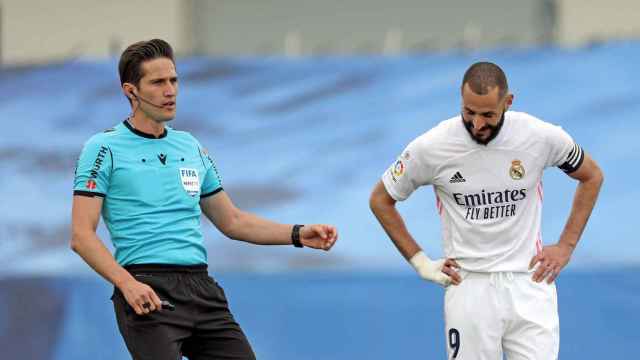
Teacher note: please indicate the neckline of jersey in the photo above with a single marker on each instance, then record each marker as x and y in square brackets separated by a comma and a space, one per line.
[144, 134]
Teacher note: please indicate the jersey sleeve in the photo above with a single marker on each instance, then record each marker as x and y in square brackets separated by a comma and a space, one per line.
[563, 151]
[212, 183]
[408, 172]
[93, 169]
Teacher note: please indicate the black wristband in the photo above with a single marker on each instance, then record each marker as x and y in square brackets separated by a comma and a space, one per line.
[295, 235]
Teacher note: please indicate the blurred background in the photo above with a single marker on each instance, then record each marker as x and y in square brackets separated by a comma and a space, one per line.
[304, 104]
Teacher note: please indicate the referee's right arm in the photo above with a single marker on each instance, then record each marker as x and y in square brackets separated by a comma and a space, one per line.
[84, 241]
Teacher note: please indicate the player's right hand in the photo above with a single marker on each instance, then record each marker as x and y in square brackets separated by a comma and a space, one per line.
[441, 271]
[140, 297]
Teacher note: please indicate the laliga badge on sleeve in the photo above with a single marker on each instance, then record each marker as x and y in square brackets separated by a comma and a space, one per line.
[397, 170]
[190, 181]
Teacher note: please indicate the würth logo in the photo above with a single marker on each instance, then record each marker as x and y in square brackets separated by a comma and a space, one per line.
[457, 178]
[163, 158]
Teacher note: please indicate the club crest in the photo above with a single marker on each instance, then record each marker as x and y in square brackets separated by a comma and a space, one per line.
[517, 170]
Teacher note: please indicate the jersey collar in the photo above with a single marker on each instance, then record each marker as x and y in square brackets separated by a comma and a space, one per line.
[144, 134]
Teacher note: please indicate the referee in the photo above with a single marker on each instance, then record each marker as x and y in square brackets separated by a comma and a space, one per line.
[151, 183]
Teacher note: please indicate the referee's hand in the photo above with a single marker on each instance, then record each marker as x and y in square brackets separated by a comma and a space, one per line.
[140, 297]
[318, 236]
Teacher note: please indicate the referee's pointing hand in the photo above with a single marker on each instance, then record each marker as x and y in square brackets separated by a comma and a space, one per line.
[140, 297]
[318, 236]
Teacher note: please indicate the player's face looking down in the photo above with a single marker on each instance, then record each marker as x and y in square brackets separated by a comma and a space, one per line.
[155, 96]
[483, 114]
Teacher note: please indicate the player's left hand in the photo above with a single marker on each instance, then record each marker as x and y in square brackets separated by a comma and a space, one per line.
[318, 236]
[552, 259]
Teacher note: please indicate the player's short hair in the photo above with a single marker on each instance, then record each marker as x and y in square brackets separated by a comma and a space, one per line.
[130, 66]
[484, 76]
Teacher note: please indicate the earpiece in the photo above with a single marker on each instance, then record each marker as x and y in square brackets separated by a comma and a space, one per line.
[132, 96]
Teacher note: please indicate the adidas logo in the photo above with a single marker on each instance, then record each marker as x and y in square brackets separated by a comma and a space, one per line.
[457, 178]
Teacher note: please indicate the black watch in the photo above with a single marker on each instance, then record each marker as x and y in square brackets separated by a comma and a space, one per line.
[295, 236]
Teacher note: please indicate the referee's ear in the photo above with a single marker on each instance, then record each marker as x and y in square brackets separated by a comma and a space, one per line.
[128, 90]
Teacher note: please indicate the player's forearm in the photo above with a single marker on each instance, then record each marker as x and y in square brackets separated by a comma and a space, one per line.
[393, 224]
[97, 256]
[583, 203]
[256, 230]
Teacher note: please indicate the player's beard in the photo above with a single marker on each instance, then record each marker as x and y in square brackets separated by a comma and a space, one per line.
[495, 129]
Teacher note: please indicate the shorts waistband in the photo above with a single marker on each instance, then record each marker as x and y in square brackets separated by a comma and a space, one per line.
[167, 268]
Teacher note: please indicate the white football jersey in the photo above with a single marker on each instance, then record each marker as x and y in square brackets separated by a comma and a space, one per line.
[489, 197]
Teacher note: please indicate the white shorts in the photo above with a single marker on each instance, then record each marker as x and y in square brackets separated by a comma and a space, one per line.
[491, 314]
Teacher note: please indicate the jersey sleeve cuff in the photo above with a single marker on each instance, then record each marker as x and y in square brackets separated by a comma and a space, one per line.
[88, 193]
[574, 160]
[394, 194]
[211, 193]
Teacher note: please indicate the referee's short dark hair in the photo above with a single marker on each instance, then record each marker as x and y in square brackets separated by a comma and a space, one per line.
[132, 58]
[484, 76]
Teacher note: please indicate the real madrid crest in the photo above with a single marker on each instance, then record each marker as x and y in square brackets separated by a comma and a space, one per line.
[517, 170]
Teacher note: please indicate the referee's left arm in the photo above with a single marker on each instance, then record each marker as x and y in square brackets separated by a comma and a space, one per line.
[244, 226]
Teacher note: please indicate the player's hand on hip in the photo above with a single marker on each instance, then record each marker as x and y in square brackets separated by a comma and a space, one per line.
[318, 236]
[441, 271]
[140, 297]
[551, 260]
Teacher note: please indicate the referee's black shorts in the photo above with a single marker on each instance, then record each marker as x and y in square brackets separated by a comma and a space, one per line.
[201, 326]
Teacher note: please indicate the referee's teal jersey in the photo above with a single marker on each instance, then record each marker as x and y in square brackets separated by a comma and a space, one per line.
[151, 189]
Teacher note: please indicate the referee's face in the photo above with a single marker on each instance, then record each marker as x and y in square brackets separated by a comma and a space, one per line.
[158, 89]
[482, 113]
